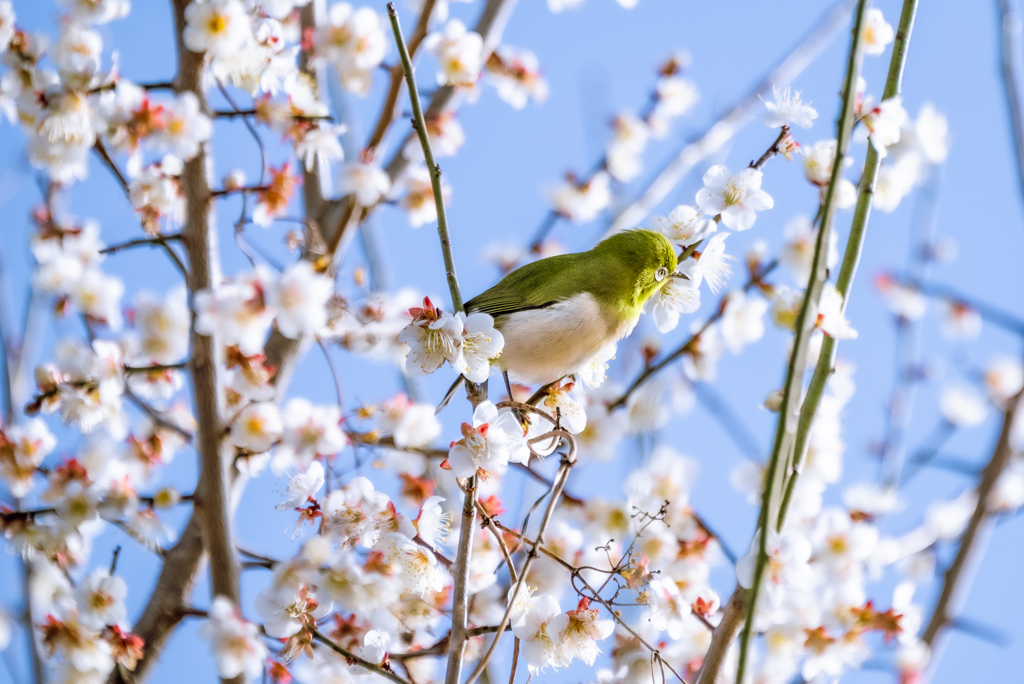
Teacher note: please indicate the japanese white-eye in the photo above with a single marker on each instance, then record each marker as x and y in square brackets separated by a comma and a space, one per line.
[557, 313]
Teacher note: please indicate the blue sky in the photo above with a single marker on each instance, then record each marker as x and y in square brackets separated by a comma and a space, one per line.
[599, 60]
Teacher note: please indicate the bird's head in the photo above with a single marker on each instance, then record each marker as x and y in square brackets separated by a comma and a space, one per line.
[647, 258]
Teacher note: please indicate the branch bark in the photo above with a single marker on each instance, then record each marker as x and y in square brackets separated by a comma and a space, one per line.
[211, 505]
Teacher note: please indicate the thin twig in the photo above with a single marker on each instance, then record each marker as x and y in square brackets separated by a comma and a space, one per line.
[594, 594]
[157, 417]
[155, 368]
[155, 241]
[353, 658]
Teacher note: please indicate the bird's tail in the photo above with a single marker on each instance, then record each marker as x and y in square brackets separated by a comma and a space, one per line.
[451, 393]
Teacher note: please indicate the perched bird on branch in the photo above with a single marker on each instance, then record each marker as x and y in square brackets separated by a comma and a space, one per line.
[557, 313]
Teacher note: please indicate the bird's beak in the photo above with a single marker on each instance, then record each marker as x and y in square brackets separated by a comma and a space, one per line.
[678, 274]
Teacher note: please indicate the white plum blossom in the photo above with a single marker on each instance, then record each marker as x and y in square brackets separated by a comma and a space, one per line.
[481, 343]
[963, 406]
[257, 427]
[433, 524]
[218, 27]
[78, 51]
[433, 338]
[884, 123]
[676, 95]
[581, 202]
[737, 198]
[445, 135]
[788, 109]
[960, 322]
[540, 630]
[819, 160]
[418, 200]
[235, 643]
[354, 42]
[581, 634]
[162, 326]
[417, 568]
[905, 301]
[412, 425]
[487, 443]
[366, 181]
[712, 264]
[677, 296]
[308, 431]
[685, 225]
[560, 399]
[318, 148]
[459, 54]
[515, 73]
[95, 11]
[303, 486]
[832, 316]
[155, 192]
[237, 311]
[100, 600]
[742, 321]
[931, 133]
[186, 127]
[876, 32]
[299, 300]
[1004, 378]
[787, 567]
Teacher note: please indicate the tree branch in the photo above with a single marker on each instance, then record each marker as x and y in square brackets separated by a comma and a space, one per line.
[353, 658]
[851, 258]
[805, 322]
[957, 579]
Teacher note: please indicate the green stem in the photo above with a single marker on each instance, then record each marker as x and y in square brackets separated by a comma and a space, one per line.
[804, 326]
[851, 259]
[420, 127]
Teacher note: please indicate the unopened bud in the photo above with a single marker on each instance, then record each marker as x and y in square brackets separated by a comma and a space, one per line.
[773, 402]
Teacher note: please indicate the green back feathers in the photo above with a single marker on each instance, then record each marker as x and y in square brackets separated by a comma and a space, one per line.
[620, 272]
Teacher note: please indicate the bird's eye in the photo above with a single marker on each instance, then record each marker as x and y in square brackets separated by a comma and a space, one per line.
[660, 274]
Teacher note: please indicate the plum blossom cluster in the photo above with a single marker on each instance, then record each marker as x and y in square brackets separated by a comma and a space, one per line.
[581, 199]
[466, 342]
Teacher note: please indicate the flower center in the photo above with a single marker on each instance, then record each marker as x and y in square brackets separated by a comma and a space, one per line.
[217, 24]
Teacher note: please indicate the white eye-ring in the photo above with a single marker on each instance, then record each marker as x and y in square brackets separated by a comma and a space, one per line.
[661, 274]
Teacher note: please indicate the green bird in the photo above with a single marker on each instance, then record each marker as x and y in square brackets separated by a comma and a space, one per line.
[557, 313]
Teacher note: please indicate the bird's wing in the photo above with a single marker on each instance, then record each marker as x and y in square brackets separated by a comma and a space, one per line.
[527, 287]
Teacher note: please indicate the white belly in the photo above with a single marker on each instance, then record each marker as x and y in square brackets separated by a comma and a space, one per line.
[542, 345]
